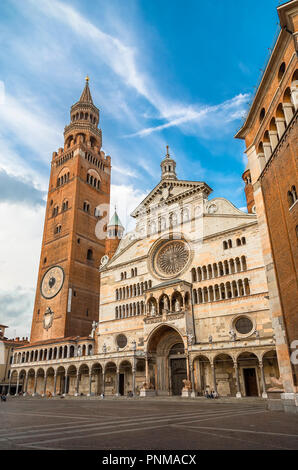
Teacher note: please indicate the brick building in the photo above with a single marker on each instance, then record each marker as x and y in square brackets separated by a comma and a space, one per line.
[271, 137]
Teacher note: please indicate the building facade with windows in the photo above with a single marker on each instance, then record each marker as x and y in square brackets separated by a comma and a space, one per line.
[271, 137]
[7, 348]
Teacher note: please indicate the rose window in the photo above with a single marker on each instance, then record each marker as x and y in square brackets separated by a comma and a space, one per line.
[171, 258]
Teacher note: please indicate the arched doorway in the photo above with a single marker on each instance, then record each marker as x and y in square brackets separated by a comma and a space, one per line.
[110, 379]
[224, 373]
[202, 374]
[125, 378]
[178, 368]
[167, 361]
[97, 379]
[248, 364]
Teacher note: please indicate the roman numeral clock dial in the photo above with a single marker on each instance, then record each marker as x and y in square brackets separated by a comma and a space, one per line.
[52, 282]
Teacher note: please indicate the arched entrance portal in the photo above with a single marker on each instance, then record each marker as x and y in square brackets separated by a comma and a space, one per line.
[167, 361]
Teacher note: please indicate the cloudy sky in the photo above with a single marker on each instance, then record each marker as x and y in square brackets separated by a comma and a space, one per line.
[161, 71]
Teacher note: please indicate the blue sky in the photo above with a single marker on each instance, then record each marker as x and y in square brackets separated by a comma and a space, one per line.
[162, 72]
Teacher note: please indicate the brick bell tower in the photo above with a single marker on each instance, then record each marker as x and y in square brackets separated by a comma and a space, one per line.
[67, 294]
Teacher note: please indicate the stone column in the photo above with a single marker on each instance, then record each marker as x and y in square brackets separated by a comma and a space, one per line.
[17, 387]
[294, 94]
[147, 369]
[55, 383]
[77, 385]
[288, 111]
[187, 364]
[9, 384]
[273, 139]
[267, 150]
[281, 126]
[26, 384]
[238, 393]
[134, 381]
[90, 383]
[45, 384]
[35, 384]
[214, 377]
[117, 383]
[262, 161]
[65, 385]
[192, 379]
[103, 382]
[264, 393]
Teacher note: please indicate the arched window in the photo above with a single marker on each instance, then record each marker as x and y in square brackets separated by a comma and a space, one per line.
[86, 207]
[225, 245]
[262, 114]
[281, 71]
[89, 254]
[292, 196]
[65, 205]
[93, 178]
[55, 211]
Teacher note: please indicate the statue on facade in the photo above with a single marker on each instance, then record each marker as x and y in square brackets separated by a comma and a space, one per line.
[232, 335]
[104, 348]
[147, 386]
[190, 338]
[153, 309]
[177, 306]
[186, 384]
[94, 326]
[165, 303]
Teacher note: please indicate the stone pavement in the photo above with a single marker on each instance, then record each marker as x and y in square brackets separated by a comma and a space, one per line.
[159, 424]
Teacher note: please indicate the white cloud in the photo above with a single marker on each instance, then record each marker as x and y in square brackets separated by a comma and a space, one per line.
[30, 124]
[125, 62]
[209, 116]
[126, 198]
[20, 243]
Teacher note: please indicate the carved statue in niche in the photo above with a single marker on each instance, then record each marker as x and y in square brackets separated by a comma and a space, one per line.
[186, 384]
[153, 309]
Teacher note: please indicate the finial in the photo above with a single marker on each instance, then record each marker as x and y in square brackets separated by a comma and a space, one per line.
[87, 79]
[168, 154]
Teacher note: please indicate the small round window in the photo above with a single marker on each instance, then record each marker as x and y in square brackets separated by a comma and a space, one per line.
[121, 341]
[243, 325]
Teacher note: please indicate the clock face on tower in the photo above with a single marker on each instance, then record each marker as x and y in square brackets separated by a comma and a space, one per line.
[52, 282]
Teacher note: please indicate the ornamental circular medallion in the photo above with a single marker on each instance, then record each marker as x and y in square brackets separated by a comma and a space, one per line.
[52, 282]
[121, 341]
[212, 208]
[103, 261]
[171, 258]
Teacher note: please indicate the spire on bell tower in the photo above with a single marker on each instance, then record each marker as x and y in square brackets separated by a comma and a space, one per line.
[84, 116]
[86, 94]
[168, 167]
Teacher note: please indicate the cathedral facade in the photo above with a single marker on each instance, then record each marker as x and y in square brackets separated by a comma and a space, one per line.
[177, 306]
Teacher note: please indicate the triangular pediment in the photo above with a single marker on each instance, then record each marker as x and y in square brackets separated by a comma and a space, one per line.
[170, 191]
